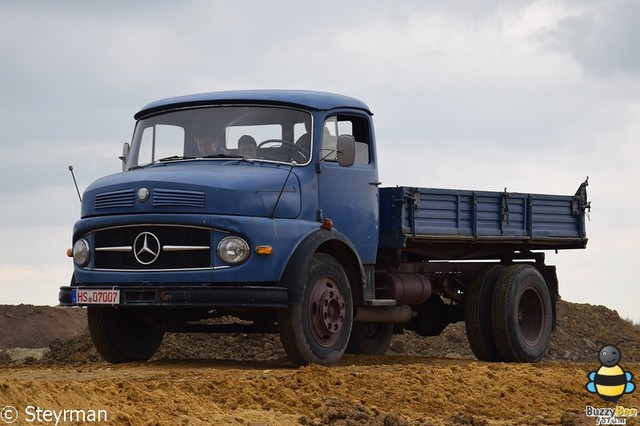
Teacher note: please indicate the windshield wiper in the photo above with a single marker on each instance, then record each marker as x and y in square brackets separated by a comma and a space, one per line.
[181, 157]
[174, 158]
[222, 155]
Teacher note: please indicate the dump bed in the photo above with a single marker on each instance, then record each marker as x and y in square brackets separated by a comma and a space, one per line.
[460, 224]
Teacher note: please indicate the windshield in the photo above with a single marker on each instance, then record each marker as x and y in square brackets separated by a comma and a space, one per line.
[251, 132]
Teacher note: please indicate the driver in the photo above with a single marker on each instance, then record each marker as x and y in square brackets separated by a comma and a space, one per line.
[209, 146]
[247, 146]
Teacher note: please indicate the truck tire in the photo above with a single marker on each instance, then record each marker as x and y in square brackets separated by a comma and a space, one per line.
[315, 329]
[370, 338]
[522, 316]
[122, 335]
[477, 313]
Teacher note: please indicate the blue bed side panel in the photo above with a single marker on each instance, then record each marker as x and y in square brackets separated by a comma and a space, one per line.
[426, 213]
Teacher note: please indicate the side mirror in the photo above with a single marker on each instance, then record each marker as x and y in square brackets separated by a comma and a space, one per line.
[126, 148]
[346, 147]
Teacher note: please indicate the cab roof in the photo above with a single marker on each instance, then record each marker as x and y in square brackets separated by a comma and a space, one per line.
[297, 98]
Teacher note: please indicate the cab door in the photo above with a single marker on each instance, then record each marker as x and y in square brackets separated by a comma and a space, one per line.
[349, 195]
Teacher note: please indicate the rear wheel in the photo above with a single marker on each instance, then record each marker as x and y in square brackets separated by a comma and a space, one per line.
[315, 329]
[522, 316]
[371, 338]
[122, 335]
[477, 313]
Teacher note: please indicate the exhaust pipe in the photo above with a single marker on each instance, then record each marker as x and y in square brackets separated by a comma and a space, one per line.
[398, 314]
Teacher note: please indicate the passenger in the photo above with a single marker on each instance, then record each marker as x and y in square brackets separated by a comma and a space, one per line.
[210, 146]
[304, 141]
[247, 146]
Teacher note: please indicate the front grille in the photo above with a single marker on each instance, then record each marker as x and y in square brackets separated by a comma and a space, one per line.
[152, 247]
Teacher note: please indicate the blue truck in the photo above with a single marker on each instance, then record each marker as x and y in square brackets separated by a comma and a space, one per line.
[261, 211]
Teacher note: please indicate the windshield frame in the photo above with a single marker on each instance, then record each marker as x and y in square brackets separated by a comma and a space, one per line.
[184, 126]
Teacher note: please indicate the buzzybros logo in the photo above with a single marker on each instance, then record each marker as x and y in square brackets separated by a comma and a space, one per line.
[610, 381]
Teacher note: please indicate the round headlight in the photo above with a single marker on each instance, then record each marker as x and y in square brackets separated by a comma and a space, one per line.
[233, 250]
[81, 252]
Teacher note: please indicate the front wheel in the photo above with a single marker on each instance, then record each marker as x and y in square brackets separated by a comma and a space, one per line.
[315, 329]
[122, 335]
[522, 317]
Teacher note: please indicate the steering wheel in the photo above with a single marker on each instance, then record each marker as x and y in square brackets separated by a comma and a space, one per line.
[291, 151]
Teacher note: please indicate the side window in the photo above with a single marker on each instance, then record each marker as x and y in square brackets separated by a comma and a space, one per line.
[160, 141]
[356, 126]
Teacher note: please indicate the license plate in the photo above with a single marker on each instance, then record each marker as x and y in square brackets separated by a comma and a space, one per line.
[85, 296]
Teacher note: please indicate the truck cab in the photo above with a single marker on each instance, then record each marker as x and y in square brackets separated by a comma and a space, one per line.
[182, 230]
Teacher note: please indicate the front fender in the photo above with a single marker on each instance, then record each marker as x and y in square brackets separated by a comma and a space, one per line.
[333, 243]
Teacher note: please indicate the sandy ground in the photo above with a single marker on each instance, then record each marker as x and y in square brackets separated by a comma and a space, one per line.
[390, 390]
[246, 380]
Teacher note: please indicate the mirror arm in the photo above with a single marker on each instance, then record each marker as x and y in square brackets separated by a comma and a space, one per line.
[331, 151]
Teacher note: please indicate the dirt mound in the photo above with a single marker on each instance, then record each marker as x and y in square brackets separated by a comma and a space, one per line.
[581, 330]
[29, 326]
[347, 412]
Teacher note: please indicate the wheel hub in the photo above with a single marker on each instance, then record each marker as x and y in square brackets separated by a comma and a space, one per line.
[531, 316]
[326, 311]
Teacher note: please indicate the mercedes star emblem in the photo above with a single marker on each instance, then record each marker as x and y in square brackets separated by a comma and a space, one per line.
[146, 248]
[143, 194]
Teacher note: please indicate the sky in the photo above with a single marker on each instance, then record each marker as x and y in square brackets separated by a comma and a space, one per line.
[530, 95]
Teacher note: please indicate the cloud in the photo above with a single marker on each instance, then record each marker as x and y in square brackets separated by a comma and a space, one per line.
[601, 36]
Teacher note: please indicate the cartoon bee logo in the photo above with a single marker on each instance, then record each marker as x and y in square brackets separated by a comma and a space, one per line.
[610, 381]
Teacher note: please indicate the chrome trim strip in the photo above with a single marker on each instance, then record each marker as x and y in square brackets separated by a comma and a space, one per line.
[184, 248]
[125, 249]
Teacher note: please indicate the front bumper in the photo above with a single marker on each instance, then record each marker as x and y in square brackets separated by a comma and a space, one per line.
[245, 296]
